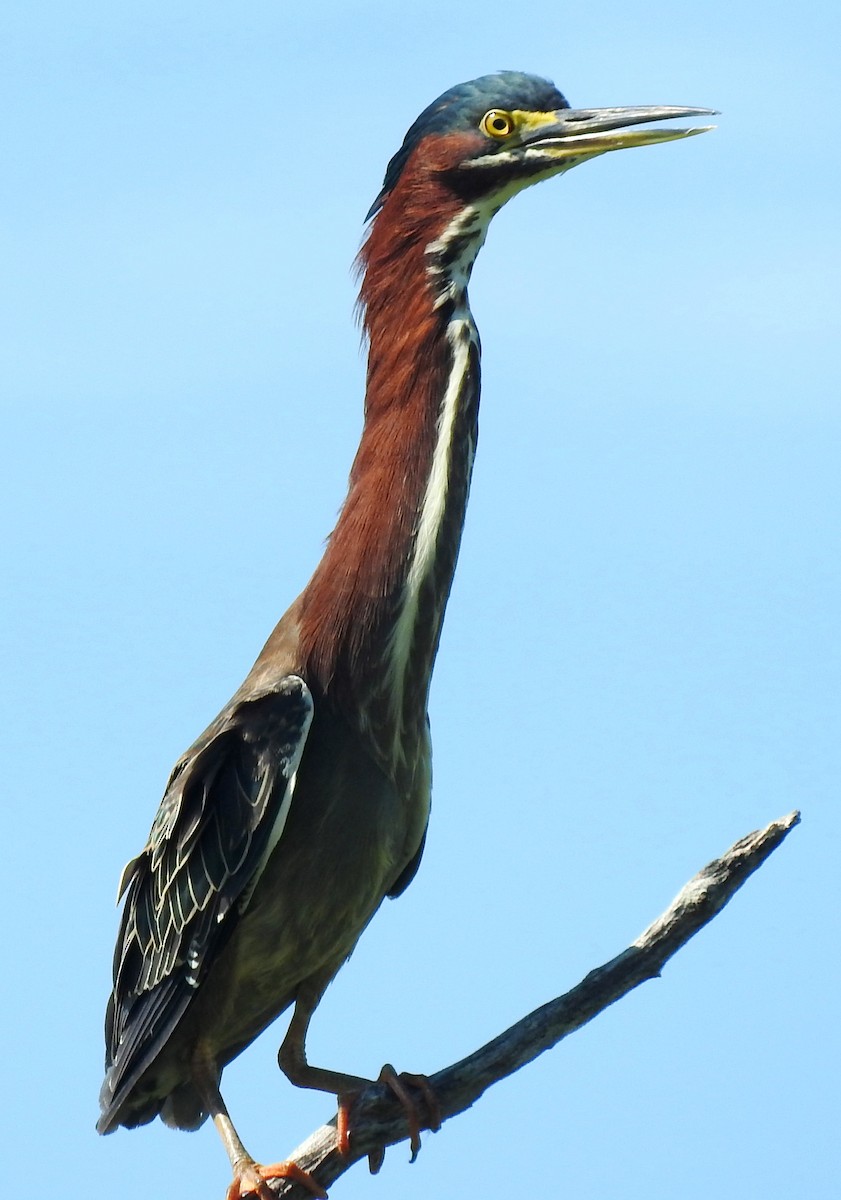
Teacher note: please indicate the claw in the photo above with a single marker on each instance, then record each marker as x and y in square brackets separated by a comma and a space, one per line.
[391, 1079]
[376, 1158]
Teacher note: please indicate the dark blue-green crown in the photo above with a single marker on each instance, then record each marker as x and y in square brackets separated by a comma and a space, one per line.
[462, 108]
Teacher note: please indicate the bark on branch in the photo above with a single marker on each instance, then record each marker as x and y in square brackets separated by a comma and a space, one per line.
[378, 1120]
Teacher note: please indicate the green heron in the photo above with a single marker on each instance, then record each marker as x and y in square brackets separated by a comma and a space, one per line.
[306, 801]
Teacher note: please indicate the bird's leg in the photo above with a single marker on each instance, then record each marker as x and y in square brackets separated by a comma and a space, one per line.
[249, 1176]
[292, 1055]
[292, 1059]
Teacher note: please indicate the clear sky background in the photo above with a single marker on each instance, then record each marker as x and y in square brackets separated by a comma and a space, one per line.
[641, 658]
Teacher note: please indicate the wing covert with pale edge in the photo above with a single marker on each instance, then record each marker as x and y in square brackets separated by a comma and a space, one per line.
[222, 813]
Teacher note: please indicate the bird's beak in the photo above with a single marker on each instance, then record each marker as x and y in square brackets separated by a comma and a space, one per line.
[581, 132]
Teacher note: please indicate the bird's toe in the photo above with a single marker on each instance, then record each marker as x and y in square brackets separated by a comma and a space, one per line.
[399, 1085]
[250, 1179]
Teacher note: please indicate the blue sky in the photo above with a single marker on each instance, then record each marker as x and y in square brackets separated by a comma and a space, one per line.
[641, 657]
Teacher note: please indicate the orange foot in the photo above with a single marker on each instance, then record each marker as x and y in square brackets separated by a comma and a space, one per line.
[250, 1180]
[397, 1083]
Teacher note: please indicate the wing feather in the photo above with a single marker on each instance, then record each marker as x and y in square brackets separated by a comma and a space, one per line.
[218, 819]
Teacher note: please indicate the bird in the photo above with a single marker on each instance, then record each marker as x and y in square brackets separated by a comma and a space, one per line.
[305, 803]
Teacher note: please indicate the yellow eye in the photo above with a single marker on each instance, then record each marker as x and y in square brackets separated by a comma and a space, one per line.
[497, 124]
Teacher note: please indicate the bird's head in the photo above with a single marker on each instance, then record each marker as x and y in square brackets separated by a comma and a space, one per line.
[486, 140]
[471, 150]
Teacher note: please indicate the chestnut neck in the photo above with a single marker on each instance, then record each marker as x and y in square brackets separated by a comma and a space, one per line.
[370, 618]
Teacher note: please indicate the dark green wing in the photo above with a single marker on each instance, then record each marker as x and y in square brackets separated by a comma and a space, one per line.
[222, 813]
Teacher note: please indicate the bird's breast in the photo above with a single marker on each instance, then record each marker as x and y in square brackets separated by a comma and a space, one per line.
[349, 835]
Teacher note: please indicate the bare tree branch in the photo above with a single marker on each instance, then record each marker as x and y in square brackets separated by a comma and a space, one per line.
[378, 1120]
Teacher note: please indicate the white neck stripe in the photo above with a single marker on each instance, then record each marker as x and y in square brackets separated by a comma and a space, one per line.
[462, 336]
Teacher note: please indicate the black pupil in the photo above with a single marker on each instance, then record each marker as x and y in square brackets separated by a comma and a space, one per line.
[499, 124]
